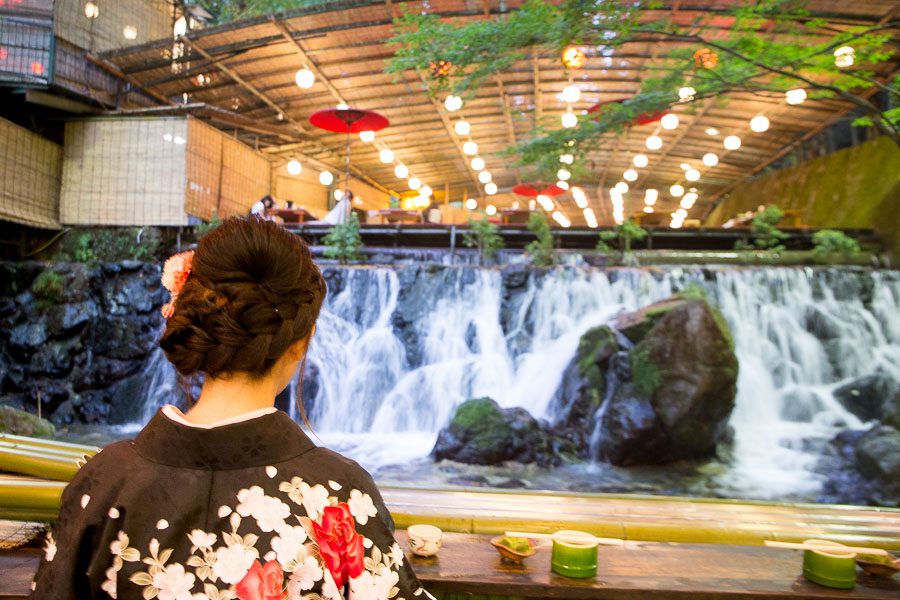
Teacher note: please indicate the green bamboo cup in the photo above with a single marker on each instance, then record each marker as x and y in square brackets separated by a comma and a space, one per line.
[831, 568]
[574, 554]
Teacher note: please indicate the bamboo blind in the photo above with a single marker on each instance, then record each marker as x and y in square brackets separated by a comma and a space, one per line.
[124, 172]
[303, 190]
[152, 20]
[204, 170]
[30, 172]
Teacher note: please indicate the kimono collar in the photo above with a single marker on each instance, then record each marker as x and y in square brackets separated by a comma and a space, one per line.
[260, 441]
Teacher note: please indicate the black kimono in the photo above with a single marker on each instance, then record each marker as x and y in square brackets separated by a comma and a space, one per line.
[250, 510]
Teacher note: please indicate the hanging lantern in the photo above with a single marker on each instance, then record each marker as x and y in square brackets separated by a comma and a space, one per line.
[440, 69]
[844, 56]
[795, 96]
[573, 57]
[477, 163]
[706, 58]
[386, 156]
[401, 171]
[294, 167]
[569, 120]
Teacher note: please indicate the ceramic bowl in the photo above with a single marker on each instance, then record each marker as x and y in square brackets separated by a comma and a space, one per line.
[424, 540]
[511, 555]
[831, 568]
[879, 568]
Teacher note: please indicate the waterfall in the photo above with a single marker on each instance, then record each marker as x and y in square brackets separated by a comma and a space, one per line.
[395, 351]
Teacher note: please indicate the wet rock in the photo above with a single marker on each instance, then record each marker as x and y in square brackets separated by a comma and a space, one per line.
[469, 481]
[482, 433]
[878, 454]
[861, 467]
[583, 385]
[28, 336]
[868, 397]
[19, 422]
[512, 484]
[381, 258]
[65, 319]
[53, 359]
[800, 405]
[681, 390]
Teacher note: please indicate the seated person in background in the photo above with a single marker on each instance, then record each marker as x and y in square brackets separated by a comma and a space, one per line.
[262, 207]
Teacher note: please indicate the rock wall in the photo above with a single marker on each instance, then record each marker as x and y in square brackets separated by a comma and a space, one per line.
[76, 336]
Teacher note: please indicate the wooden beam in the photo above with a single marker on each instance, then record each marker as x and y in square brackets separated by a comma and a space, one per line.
[309, 62]
[538, 97]
[507, 116]
[116, 72]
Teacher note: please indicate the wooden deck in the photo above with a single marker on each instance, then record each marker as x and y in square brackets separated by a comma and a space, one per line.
[468, 567]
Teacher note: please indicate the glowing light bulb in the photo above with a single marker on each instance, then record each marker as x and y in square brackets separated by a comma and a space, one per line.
[669, 121]
[566, 159]
[326, 178]
[490, 188]
[844, 56]
[622, 187]
[580, 197]
[648, 209]
[294, 167]
[304, 78]
[692, 174]
[343, 106]
[367, 136]
[470, 148]
[676, 190]
[414, 183]
[795, 96]
[453, 103]
[732, 142]
[471, 203]
[650, 196]
[640, 161]
[545, 202]
[654, 142]
[563, 174]
[485, 177]
[759, 123]
[491, 210]
[688, 200]
[462, 127]
[425, 191]
[563, 185]
[401, 171]
[129, 32]
[338, 194]
[571, 93]
[386, 156]
[630, 175]
[686, 93]
[477, 163]
[569, 120]
[91, 10]
[712, 131]
[710, 159]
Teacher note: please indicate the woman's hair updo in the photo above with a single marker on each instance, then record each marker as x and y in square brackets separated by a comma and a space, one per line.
[253, 291]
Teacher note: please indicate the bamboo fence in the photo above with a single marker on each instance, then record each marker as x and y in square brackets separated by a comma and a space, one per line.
[30, 172]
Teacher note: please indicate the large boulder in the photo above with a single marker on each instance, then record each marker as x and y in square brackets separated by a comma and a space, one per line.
[869, 397]
[482, 433]
[681, 388]
[878, 454]
[862, 467]
[19, 422]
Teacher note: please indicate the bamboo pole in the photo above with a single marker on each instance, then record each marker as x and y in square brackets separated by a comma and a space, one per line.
[59, 453]
[44, 443]
[29, 462]
[28, 500]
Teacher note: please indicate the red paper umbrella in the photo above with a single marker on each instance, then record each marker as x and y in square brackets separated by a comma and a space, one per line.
[350, 120]
[533, 190]
[641, 119]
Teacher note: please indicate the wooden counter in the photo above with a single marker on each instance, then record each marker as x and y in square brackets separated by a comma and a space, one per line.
[468, 565]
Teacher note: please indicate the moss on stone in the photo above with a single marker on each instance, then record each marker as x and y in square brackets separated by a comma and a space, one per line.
[19, 422]
[694, 291]
[595, 346]
[645, 374]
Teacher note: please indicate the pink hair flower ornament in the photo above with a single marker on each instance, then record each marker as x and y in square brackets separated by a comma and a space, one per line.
[175, 274]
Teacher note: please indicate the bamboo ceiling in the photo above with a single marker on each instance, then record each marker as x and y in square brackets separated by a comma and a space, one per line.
[249, 87]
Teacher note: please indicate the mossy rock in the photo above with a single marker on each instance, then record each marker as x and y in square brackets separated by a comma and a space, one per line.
[19, 422]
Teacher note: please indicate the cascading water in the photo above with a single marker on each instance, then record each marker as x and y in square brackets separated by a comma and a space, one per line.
[394, 356]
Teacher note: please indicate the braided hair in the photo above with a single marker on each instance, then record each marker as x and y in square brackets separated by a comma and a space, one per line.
[253, 291]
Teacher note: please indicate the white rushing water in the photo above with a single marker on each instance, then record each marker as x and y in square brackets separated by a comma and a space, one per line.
[374, 405]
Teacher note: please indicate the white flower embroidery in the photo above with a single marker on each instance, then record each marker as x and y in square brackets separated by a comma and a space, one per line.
[110, 585]
[233, 562]
[84, 500]
[271, 471]
[173, 583]
[201, 539]
[288, 543]
[50, 548]
[361, 506]
[396, 553]
[315, 499]
[304, 577]
[293, 489]
[269, 512]
[329, 588]
[373, 586]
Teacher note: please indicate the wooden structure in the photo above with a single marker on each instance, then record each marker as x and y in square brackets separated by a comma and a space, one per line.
[156, 171]
[468, 567]
[30, 171]
[247, 68]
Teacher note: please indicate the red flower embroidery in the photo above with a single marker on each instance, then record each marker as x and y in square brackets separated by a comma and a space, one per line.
[262, 582]
[340, 545]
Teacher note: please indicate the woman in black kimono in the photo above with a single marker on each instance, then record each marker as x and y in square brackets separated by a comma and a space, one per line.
[232, 499]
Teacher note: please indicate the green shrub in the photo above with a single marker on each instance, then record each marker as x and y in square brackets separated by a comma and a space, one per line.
[48, 287]
[82, 252]
[766, 236]
[828, 243]
[623, 235]
[541, 249]
[204, 228]
[483, 235]
[343, 242]
[110, 244]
